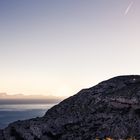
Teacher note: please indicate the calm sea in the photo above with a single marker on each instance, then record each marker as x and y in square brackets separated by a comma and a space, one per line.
[13, 112]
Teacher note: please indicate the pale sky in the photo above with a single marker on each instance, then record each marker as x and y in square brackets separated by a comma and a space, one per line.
[57, 47]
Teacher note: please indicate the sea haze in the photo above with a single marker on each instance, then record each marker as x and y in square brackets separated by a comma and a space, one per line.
[20, 111]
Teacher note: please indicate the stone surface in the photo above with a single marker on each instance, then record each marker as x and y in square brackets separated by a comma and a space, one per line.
[109, 109]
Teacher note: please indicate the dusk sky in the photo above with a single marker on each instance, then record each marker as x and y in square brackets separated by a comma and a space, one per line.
[57, 47]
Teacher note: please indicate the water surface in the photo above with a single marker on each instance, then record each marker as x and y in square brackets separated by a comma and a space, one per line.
[13, 112]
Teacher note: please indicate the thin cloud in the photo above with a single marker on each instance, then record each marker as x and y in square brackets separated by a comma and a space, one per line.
[128, 8]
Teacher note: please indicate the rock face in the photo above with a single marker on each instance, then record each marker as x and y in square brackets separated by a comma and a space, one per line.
[109, 109]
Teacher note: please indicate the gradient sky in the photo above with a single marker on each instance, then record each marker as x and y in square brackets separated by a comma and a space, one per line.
[57, 47]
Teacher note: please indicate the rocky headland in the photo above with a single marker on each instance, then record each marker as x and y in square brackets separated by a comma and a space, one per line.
[110, 109]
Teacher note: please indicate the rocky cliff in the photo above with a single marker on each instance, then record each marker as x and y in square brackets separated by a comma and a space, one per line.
[109, 109]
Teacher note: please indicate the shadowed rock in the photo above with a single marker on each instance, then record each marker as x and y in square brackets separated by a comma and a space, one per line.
[109, 109]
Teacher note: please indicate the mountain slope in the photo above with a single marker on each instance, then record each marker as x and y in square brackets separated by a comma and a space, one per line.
[109, 109]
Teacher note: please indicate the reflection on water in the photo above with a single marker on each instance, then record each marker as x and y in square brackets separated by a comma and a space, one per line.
[14, 112]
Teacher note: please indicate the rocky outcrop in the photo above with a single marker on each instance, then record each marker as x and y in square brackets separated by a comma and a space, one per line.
[109, 109]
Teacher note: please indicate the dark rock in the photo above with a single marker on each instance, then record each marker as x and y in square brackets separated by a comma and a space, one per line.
[1, 135]
[109, 109]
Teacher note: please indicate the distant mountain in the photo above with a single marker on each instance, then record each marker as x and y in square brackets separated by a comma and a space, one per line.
[27, 99]
[109, 109]
[22, 96]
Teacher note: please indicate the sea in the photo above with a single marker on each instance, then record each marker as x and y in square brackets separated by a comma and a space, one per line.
[13, 112]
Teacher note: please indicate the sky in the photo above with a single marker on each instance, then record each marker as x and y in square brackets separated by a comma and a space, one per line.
[58, 47]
